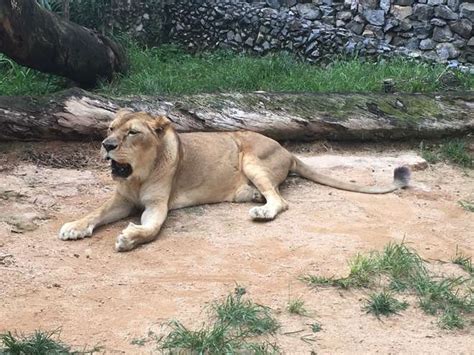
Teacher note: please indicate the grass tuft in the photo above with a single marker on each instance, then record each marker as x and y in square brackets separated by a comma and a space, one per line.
[383, 303]
[464, 261]
[467, 205]
[316, 327]
[454, 151]
[38, 343]
[296, 306]
[237, 321]
[254, 318]
[213, 340]
[402, 269]
[451, 319]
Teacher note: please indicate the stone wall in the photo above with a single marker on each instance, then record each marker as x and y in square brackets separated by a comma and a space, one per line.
[313, 29]
[143, 20]
[257, 28]
[433, 29]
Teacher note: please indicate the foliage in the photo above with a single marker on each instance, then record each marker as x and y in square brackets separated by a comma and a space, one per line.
[171, 70]
[383, 303]
[38, 343]
[402, 269]
[168, 69]
[296, 306]
[18, 80]
[454, 151]
[236, 321]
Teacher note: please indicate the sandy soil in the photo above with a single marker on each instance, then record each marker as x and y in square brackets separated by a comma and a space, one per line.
[100, 297]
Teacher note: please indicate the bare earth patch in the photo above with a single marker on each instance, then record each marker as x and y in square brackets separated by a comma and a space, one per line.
[100, 297]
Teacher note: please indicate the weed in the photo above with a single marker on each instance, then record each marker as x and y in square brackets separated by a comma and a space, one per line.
[212, 340]
[236, 320]
[453, 151]
[451, 319]
[404, 270]
[383, 303]
[296, 306]
[38, 343]
[167, 69]
[256, 319]
[467, 205]
[464, 261]
[316, 327]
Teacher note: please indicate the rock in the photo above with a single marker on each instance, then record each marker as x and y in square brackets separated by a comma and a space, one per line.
[401, 12]
[412, 43]
[453, 4]
[344, 15]
[444, 12]
[462, 27]
[403, 2]
[368, 4]
[355, 27]
[375, 17]
[427, 44]
[308, 11]
[442, 34]
[467, 11]
[385, 5]
[438, 22]
[368, 33]
[470, 43]
[435, 2]
[275, 4]
[422, 30]
[447, 51]
[423, 12]
[406, 25]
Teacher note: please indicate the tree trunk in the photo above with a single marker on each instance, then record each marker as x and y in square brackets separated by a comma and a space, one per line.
[78, 115]
[39, 39]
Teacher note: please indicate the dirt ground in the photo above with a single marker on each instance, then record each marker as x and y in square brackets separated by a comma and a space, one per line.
[100, 297]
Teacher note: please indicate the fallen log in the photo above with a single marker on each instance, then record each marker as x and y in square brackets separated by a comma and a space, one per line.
[39, 39]
[75, 114]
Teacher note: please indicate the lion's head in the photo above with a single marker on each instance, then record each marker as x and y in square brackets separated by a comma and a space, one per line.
[133, 143]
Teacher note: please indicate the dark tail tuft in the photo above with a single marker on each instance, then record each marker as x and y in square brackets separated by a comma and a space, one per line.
[401, 176]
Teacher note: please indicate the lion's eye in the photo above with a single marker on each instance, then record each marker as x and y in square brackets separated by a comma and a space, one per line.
[111, 129]
[132, 132]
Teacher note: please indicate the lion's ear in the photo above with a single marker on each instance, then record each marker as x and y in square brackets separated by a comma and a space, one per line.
[122, 112]
[160, 123]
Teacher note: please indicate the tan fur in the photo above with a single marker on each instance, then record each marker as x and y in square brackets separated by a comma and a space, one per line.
[173, 170]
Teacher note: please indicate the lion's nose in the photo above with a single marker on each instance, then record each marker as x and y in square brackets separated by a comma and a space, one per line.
[109, 144]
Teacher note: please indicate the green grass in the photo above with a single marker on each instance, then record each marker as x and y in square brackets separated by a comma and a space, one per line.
[254, 318]
[316, 327]
[171, 70]
[464, 261]
[467, 205]
[451, 319]
[236, 323]
[383, 303]
[453, 151]
[38, 343]
[18, 80]
[401, 269]
[296, 306]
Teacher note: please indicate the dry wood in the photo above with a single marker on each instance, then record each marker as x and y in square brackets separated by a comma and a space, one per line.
[76, 114]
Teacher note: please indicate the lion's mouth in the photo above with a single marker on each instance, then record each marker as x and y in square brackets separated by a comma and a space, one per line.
[120, 170]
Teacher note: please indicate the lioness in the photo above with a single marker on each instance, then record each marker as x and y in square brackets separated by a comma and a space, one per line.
[159, 170]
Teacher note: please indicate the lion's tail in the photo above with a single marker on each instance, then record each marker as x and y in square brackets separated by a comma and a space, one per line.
[401, 179]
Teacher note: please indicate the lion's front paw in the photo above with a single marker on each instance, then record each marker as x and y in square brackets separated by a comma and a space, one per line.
[75, 230]
[124, 243]
[262, 213]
